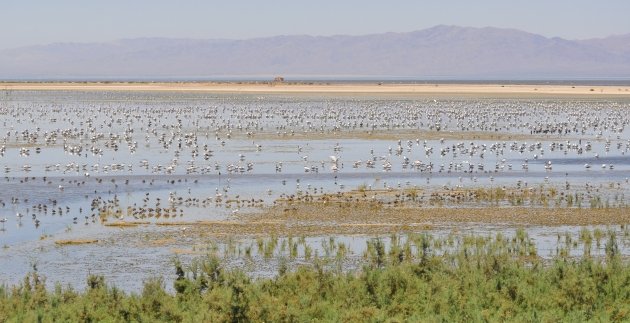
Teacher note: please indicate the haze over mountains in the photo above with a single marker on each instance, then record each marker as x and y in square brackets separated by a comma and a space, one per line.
[440, 52]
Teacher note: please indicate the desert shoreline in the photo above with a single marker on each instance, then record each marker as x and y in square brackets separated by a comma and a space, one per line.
[330, 88]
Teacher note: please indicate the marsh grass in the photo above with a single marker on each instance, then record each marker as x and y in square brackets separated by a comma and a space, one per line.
[403, 278]
[542, 196]
[75, 242]
[122, 224]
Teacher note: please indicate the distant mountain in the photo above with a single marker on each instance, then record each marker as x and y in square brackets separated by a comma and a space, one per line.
[614, 44]
[438, 52]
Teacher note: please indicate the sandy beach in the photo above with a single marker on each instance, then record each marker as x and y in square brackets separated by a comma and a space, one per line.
[322, 87]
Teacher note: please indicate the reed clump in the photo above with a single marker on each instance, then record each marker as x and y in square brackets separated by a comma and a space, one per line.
[412, 278]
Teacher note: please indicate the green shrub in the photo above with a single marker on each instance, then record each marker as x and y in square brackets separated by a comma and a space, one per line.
[473, 279]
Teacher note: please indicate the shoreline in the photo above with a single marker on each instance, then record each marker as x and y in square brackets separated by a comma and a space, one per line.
[328, 88]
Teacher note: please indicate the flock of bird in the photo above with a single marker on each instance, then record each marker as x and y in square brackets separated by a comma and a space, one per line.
[75, 155]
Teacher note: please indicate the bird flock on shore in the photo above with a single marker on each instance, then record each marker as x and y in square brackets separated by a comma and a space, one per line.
[85, 157]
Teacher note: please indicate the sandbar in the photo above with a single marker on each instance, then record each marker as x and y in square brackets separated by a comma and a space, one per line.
[331, 88]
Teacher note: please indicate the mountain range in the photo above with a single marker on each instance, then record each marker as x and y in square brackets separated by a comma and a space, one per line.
[450, 52]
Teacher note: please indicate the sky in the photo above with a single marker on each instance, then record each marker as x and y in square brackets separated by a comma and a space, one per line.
[36, 22]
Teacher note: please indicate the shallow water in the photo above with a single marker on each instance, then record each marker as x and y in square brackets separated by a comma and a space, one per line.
[126, 259]
[65, 155]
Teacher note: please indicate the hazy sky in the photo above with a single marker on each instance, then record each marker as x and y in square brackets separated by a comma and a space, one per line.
[28, 22]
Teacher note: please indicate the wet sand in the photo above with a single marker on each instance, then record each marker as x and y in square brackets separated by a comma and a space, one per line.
[366, 218]
[335, 88]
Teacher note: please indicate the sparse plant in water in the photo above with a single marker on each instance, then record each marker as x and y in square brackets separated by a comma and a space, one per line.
[480, 278]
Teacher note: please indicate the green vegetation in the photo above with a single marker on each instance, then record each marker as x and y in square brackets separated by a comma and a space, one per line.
[410, 278]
